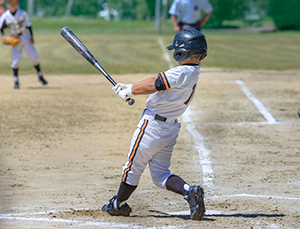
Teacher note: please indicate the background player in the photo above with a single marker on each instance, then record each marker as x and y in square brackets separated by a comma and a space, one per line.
[187, 14]
[170, 95]
[19, 25]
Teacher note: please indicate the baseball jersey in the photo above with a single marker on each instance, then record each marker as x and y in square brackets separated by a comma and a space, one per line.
[179, 85]
[189, 11]
[16, 23]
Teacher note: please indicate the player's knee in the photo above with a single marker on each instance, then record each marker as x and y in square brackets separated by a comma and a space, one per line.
[16, 64]
[35, 61]
[160, 179]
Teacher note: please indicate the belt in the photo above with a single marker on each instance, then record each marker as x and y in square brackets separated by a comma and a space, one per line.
[160, 118]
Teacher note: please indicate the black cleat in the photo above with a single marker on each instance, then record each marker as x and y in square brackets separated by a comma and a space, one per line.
[196, 202]
[16, 86]
[43, 81]
[125, 210]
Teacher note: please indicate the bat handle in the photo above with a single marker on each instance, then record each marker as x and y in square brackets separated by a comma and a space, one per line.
[130, 101]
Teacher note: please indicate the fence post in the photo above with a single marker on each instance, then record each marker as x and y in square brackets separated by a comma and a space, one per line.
[30, 4]
[157, 15]
[69, 8]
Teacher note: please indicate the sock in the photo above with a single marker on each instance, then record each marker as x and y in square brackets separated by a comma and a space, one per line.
[16, 77]
[116, 207]
[38, 69]
[125, 191]
[178, 185]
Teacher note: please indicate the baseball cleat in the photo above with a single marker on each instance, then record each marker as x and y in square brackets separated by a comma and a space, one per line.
[196, 202]
[43, 81]
[125, 210]
[16, 86]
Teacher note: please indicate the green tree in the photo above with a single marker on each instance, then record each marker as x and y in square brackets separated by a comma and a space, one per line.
[285, 14]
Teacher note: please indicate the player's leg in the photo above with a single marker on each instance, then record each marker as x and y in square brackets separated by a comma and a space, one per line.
[145, 143]
[40, 74]
[16, 56]
[34, 57]
[159, 168]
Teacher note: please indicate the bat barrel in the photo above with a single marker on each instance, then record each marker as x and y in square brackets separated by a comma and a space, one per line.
[77, 44]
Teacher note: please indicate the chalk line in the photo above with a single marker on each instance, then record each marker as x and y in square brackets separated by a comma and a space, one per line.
[262, 109]
[166, 54]
[208, 174]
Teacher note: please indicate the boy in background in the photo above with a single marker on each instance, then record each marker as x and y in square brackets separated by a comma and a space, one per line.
[19, 25]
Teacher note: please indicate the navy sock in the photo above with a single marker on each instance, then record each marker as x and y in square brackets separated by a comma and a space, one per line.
[177, 184]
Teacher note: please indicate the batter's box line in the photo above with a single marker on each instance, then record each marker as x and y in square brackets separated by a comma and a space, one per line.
[242, 123]
[258, 104]
[254, 196]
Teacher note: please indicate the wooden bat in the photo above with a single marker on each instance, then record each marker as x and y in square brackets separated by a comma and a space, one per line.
[83, 51]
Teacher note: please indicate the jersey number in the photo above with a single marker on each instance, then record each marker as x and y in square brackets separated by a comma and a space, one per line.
[188, 100]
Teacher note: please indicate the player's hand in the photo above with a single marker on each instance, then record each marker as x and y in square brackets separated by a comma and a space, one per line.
[31, 40]
[124, 91]
[118, 87]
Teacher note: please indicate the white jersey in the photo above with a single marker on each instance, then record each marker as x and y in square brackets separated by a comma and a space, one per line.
[180, 83]
[16, 23]
[189, 11]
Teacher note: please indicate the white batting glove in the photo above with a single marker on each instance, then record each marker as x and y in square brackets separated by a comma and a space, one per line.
[124, 91]
[118, 87]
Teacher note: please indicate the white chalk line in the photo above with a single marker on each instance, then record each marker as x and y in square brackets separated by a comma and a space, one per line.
[255, 196]
[240, 123]
[208, 174]
[262, 109]
[166, 54]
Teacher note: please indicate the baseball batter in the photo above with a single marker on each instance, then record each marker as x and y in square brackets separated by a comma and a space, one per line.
[171, 93]
[20, 27]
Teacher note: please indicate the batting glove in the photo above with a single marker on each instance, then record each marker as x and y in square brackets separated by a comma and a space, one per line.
[124, 91]
[118, 87]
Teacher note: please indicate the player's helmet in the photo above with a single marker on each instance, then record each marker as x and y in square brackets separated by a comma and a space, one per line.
[188, 43]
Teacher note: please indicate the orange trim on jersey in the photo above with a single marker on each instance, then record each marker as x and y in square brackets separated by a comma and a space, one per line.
[165, 80]
[134, 150]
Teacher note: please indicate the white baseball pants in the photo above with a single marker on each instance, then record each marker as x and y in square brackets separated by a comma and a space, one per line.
[16, 52]
[152, 143]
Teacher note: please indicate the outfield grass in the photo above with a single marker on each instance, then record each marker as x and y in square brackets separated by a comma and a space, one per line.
[132, 47]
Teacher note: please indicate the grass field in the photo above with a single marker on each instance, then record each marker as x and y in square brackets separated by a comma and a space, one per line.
[132, 47]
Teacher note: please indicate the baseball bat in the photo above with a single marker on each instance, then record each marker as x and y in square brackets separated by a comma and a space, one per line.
[83, 51]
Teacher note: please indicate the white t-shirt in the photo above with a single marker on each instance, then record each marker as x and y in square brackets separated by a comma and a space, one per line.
[16, 23]
[189, 11]
[180, 83]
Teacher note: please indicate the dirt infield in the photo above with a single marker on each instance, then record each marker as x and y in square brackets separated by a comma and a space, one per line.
[62, 148]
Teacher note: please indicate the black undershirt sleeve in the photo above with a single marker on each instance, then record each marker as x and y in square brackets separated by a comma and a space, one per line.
[30, 30]
[4, 26]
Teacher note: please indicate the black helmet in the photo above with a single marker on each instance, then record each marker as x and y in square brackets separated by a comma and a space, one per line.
[188, 43]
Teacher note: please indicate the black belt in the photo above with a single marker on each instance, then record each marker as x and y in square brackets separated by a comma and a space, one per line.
[160, 118]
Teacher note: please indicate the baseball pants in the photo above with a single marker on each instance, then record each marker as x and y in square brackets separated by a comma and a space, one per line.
[152, 143]
[16, 52]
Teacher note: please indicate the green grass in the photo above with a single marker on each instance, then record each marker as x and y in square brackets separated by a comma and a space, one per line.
[132, 47]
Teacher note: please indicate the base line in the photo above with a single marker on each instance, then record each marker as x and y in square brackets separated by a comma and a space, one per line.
[262, 109]
[208, 174]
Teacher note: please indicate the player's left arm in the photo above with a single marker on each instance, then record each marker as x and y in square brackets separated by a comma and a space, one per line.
[2, 27]
[144, 87]
[31, 34]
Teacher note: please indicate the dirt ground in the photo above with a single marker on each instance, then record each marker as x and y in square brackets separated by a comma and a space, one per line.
[62, 148]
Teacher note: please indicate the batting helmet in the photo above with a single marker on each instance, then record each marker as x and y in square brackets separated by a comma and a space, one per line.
[188, 43]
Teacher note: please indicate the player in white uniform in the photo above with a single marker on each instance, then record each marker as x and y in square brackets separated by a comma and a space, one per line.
[171, 93]
[19, 25]
[187, 14]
